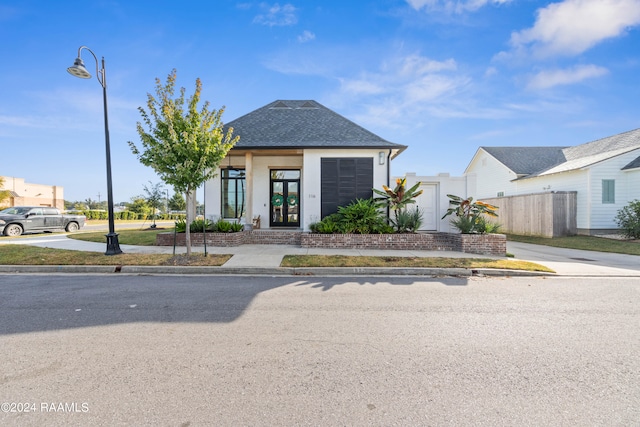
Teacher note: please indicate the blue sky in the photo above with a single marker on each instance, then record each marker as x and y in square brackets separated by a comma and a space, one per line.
[441, 76]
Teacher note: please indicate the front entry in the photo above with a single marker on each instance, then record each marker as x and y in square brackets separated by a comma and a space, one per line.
[285, 198]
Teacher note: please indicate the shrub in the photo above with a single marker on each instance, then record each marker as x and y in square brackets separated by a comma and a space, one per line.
[628, 219]
[408, 221]
[181, 225]
[198, 225]
[328, 225]
[359, 217]
[222, 226]
[236, 227]
[397, 200]
[470, 215]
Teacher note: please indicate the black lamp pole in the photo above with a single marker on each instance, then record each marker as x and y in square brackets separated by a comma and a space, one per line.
[78, 69]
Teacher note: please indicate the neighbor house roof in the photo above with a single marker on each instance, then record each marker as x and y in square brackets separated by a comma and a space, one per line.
[635, 164]
[529, 162]
[303, 124]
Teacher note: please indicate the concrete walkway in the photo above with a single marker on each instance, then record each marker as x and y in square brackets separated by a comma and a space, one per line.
[266, 258]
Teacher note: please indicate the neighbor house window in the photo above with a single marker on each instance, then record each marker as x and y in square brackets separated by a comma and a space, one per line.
[233, 193]
[608, 191]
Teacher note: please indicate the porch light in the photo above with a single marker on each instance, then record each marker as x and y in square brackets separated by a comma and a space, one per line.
[381, 157]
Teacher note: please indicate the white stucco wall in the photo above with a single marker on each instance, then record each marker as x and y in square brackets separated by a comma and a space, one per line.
[434, 201]
[309, 165]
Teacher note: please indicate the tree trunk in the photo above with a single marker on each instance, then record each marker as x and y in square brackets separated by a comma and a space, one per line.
[189, 196]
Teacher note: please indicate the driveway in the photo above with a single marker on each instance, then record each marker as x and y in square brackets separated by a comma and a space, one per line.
[574, 262]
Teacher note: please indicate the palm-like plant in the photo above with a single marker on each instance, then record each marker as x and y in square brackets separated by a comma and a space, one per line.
[397, 199]
[469, 213]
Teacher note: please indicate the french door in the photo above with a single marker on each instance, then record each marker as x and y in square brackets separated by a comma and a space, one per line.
[285, 198]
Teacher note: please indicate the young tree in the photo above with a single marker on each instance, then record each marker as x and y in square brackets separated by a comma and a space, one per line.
[155, 195]
[183, 146]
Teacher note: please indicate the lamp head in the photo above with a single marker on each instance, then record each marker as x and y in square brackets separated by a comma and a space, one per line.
[78, 69]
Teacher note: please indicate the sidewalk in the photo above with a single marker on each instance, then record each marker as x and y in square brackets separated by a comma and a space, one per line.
[266, 259]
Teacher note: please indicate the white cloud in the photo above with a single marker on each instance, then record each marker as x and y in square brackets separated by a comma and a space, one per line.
[453, 6]
[405, 92]
[306, 36]
[415, 76]
[574, 26]
[277, 15]
[550, 78]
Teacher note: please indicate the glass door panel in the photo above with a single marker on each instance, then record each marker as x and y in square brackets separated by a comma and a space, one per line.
[285, 198]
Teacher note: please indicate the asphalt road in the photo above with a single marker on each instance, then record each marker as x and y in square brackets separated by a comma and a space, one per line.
[270, 351]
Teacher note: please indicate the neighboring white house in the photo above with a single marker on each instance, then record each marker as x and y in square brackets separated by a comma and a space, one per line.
[296, 162]
[605, 174]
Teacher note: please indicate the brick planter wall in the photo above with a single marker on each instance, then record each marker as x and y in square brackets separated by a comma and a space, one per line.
[485, 244]
[253, 237]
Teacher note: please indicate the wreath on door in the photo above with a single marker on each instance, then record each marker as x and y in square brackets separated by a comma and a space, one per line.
[277, 200]
[292, 200]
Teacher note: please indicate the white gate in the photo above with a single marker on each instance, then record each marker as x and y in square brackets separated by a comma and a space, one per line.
[427, 202]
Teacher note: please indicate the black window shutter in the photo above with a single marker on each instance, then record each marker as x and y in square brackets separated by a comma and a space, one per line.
[342, 180]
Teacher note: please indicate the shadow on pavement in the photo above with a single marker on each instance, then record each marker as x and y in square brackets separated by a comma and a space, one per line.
[37, 303]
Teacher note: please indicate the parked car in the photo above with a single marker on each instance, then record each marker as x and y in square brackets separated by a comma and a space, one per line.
[18, 220]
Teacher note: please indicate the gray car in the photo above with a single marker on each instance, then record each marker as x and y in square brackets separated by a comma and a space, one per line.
[18, 220]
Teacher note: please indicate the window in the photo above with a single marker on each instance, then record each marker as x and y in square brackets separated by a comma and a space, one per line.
[608, 191]
[233, 193]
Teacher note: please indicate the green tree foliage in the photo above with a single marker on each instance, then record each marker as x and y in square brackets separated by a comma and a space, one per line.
[140, 205]
[628, 219]
[154, 195]
[182, 143]
[177, 202]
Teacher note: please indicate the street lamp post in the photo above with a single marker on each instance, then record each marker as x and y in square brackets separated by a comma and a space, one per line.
[78, 70]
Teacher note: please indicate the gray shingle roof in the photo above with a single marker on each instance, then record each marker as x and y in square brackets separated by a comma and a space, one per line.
[633, 165]
[622, 142]
[527, 160]
[302, 124]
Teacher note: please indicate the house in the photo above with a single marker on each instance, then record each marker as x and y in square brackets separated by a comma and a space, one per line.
[22, 193]
[295, 163]
[604, 174]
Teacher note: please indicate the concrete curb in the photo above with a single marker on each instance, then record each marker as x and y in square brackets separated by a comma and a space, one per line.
[277, 271]
[58, 268]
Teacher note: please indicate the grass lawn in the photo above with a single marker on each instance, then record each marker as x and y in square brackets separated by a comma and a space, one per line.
[145, 237]
[407, 262]
[588, 243]
[11, 254]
